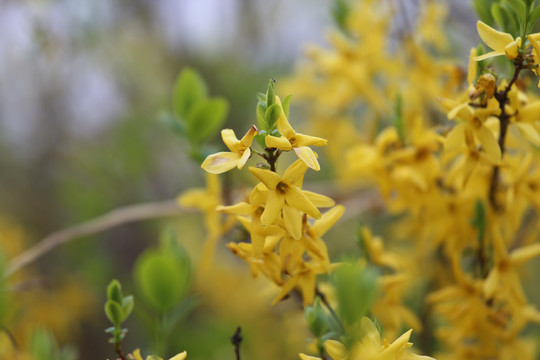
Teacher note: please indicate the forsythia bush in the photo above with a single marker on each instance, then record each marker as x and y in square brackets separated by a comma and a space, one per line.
[452, 154]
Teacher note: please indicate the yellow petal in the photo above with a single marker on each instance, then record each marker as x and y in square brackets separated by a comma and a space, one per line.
[293, 221]
[229, 138]
[283, 125]
[277, 142]
[307, 286]
[488, 55]
[180, 356]
[241, 208]
[456, 138]
[294, 175]
[306, 140]
[511, 50]
[524, 254]
[308, 357]
[220, 162]
[372, 338]
[247, 139]
[462, 109]
[335, 349]
[327, 220]
[319, 200]
[267, 177]
[529, 132]
[534, 39]
[471, 73]
[137, 354]
[497, 40]
[491, 283]
[530, 112]
[287, 287]
[489, 143]
[243, 159]
[273, 207]
[307, 155]
[296, 198]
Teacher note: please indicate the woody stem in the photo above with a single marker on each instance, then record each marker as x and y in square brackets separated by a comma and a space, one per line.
[504, 121]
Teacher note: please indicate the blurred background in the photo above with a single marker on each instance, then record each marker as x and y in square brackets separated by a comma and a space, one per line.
[82, 87]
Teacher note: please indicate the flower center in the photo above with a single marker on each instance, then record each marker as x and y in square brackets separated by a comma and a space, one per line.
[282, 188]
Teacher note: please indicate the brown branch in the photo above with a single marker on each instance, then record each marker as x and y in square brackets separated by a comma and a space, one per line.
[504, 121]
[114, 218]
[236, 340]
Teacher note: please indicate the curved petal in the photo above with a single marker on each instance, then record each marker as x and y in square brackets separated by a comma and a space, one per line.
[308, 156]
[267, 177]
[335, 349]
[308, 357]
[242, 208]
[327, 220]
[489, 143]
[293, 221]
[306, 140]
[247, 140]
[229, 138]
[488, 55]
[471, 73]
[244, 158]
[274, 204]
[220, 162]
[294, 175]
[180, 356]
[296, 198]
[319, 200]
[511, 50]
[278, 142]
[529, 132]
[497, 40]
[283, 125]
[530, 112]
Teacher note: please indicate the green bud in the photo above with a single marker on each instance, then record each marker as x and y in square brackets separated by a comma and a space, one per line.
[316, 318]
[114, 291]
[114, 312]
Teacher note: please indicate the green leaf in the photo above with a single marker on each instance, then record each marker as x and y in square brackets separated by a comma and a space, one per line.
[206, 119]
[261, 121]
[114, 312]
[479, 220]
[114, 291]
[534, 16]
[162, 279]
[399, 123]
[519, 8]
[482, 8]
[189, 89]
[270, 94]
[127, 306]
[512, 22]
[316, 319]
[285, 105]
[42, 345]
[340, 13]
[504, 17]
[271, 116]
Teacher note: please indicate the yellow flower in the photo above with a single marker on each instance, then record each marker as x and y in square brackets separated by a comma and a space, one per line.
[240, 152]
[534, 40]
[502, 43]
[137, 356]
[291, 140]
[284, 194]
[370, 347]
[305, 278]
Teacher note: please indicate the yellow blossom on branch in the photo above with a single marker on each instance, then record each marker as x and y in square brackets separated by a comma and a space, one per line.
[240, 152]
[502, 43]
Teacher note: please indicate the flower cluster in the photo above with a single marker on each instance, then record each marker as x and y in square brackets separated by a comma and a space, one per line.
[283, 220]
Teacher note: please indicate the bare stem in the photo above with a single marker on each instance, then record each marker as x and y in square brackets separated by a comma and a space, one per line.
[236, 340]
[114, 218]
[504, 121]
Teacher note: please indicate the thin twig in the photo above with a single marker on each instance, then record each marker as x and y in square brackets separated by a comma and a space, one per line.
[114, 218]
[335, 316]
[10, 336]
[236, 340]
[504, 121]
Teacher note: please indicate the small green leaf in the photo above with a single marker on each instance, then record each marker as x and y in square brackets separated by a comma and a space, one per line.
[114, 312]
[340, 13]
[162, 279]
[114, 291]
[482, 8]
[261, 121]
[534, 16]
[479, 220]
[127, 306]
[285, 105]
[512, 22]
[399, 123]
[271, 116]
[206, 118]
[316, 318]
[189, 89]
[270, 94]
[519, 8]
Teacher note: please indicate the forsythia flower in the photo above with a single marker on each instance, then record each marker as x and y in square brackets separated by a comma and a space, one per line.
[370, 347]
[137, 356]
[502, 43]
[224, 161]
[534, 39]
[291, 140]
